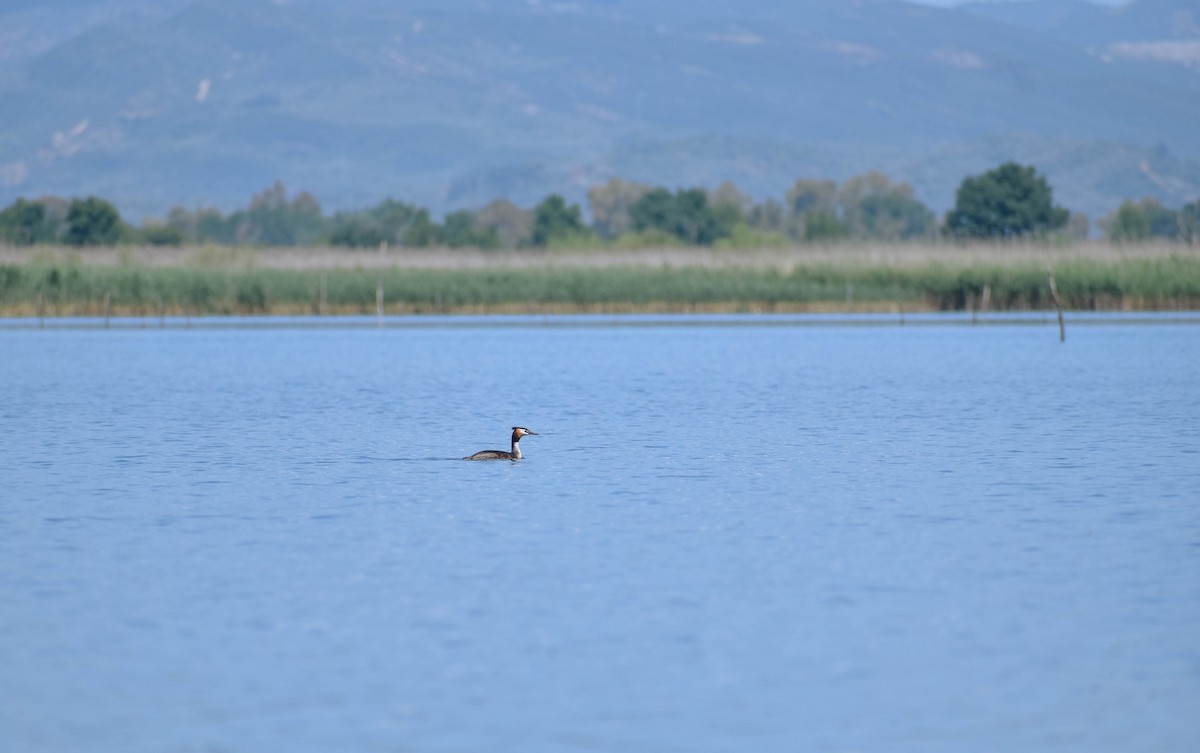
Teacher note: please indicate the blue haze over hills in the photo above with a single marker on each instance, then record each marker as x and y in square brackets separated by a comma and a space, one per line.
[451, 103]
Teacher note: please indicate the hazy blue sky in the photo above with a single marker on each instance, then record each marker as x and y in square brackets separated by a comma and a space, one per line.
[958, 2]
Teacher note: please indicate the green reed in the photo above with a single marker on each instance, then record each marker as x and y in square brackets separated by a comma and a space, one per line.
[71, 287]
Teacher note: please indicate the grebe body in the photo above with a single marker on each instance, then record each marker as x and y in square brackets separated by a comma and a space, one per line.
[515, 454]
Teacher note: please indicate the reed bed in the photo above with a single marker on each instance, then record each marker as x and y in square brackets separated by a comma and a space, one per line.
[903, 254]
[55, 282]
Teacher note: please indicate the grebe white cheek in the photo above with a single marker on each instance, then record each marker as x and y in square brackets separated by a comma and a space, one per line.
[513, 454]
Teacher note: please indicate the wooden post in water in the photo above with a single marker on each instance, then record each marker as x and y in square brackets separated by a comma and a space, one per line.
[1062, 330]
[379, 286]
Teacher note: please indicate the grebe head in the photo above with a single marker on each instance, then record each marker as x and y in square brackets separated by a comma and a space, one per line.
[520, 431]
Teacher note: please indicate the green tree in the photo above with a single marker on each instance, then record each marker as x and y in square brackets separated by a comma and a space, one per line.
[1009, 201]
[769, 216]
[807, 195]
[817, 198]
[895, 216]
[1079, 227]
[610, 204]
[729, 196]
[686, 214]
[654, 211]
[407, 224]
[24, 223]
[554, 221]
[823, 225]
[700, 222]
[872, 206]
[512, 225]
[356, 230]
[394, 222]
[159, 234]
[1128, 223]
[202, 225]
[1141, 220]
[460, 231]
[730, 207]
[1163, 220]
[1188, 218]
[271, 219]
[92, 222]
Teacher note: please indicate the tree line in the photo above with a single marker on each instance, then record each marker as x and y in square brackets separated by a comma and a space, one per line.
[1010, 201]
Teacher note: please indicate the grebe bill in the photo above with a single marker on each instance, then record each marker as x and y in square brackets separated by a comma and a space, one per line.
[518, 432]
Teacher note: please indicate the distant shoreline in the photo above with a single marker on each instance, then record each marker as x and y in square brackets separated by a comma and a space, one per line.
[199, 281]
[946, 253]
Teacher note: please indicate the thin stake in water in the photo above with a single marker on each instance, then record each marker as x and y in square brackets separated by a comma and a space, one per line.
[1062, 330]
[379, 285]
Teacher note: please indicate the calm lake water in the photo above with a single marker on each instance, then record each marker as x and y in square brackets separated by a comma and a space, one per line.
[727, 537]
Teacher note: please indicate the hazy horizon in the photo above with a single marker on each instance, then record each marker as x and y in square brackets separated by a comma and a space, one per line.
[952, 3]
[453, 104]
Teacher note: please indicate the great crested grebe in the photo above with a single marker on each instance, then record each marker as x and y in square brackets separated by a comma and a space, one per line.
[518, 432]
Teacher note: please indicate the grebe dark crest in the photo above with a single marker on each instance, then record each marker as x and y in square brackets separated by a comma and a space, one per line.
[518, 432]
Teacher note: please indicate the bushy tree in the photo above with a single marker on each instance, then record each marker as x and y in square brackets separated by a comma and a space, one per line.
[872, 206]
[1163, 220]
[24, 223]
[512, 225]
[1079, 227]
[757, 225]
[728, 196]
[610, 206]
[407, 224]
[770, 216]
[1141, 220]
[686, 214]
[555, 221]
[823, 225]
[271, 219]
[356, 230]
[813, 211]
[730, 207]
[1127, 224]
[1009, 201]
[1189, 222]
[202, 225]
[654, 211]
[92, 222]
[807, 195]
[159, 234]
[396, 223]
[460, 231]
[865, 206]
[895, 216]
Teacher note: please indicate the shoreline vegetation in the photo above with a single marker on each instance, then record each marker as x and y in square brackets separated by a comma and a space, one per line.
[54, 281]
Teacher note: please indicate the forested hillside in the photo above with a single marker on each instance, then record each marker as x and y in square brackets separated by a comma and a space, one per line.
[454, 103]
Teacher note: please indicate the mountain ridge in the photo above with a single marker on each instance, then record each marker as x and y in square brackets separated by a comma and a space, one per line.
[456, 104]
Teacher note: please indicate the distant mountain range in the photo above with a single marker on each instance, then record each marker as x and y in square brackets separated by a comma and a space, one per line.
[451, 103]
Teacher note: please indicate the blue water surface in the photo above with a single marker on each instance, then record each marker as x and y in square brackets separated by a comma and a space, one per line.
[810, 536]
